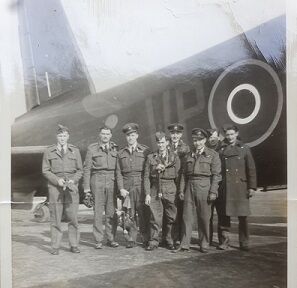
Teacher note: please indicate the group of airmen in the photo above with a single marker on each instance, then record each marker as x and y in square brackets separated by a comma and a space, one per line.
[152, 193]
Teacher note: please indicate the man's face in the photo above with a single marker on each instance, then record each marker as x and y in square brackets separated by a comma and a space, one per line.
[175, 136]
[62, 138]
[199, 143]
[105, 136]
[132, 138]
[231, 136]
[162, 144]
[214, 138]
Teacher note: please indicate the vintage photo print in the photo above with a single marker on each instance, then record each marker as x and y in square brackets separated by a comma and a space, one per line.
[148, 143]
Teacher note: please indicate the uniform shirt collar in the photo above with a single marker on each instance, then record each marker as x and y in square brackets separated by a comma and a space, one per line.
[59, 147]
[104, 145]
[133, 147]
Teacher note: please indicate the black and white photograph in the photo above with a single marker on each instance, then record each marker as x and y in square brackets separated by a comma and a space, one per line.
[148, 143]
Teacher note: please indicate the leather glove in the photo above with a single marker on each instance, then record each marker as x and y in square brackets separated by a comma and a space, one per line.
[250, 193]
[211, 197]
[181, 196]
[147, 200]
[124, 193]
[61, 182]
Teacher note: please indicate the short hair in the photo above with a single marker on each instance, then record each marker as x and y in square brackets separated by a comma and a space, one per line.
[104, 127]
[210, 131]
[227, 127]
[160, 135]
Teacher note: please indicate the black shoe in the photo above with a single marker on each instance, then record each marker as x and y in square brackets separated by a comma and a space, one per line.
[177, 245]
[55, 251]
[99, 245]
[171, 247]
[181, 249]
[113, 244]
[203, 250]
[151, 248]
[223, 247]
[74, 250]
[131, 244]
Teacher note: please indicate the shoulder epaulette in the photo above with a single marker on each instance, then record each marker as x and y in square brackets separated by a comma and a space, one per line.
[51, 147]
[143, 146]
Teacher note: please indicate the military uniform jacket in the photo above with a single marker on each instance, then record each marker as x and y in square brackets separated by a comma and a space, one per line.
[151, 174]
[181, 150]
[97, 159]
[130, 164]
[239, 175]
[54, 166]
[205, 168]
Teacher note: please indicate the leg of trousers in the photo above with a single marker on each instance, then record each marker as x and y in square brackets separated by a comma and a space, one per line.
[59, 200]
[178, 221]
[56, 211]
[211, 223]
[188, 210]
[103, 189]
[156, 217]
[203, 210]
[224, 226]
[110, 217]
[243, 231]
[71, 211]
[137, 207]
[100, 200]
[170, 216]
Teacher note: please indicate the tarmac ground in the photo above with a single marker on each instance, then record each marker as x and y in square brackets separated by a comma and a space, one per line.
[265, 265]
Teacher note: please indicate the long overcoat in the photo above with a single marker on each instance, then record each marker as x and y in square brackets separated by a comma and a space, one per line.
[238, 175]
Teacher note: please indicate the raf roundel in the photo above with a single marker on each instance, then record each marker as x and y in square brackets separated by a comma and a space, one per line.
[249, 95]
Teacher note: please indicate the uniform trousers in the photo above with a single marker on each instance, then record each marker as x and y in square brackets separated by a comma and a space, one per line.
[139, 212]
[63, 200]
[103, 189]
[224, 229]
[196, 195]
[162, 212]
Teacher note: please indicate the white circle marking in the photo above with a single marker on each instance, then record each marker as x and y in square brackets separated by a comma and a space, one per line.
[277, 82]
[257, 98]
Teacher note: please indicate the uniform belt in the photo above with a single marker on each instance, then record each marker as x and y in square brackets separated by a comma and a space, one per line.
[162, 180]
[198, 177]
[103, 172]
[132, 174]
[65, 174]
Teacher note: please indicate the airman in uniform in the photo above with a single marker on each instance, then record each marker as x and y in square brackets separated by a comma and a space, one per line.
[129, 176]
[62, 167]
[161, 175]
[199, 181]
[99, 179]
[179, 147]
[238, 185]
[213, 142]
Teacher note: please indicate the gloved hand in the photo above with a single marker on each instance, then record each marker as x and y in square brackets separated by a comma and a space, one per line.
[124, 193]
[147, 200]
[61, 182]
[250, 193]
[181, 196]
[211, 197]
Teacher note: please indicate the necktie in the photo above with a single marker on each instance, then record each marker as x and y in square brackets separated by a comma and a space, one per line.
[62, 152]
